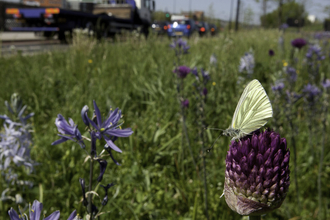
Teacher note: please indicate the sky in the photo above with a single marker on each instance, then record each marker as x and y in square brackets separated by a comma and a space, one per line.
[221, 8]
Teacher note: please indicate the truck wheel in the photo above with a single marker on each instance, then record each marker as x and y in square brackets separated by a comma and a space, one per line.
[61, 37]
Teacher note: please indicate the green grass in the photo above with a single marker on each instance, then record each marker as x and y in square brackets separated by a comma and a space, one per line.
[157, 179]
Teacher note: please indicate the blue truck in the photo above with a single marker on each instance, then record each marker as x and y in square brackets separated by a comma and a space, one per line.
[101, 20]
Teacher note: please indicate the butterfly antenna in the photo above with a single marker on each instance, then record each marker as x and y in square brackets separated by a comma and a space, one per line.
[218, 129]
[209, 149]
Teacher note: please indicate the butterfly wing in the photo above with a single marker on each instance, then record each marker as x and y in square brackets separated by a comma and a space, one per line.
[253, 109]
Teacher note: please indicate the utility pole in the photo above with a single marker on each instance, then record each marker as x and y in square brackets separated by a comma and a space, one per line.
[280, 3]
[231, 13]
[237, 15]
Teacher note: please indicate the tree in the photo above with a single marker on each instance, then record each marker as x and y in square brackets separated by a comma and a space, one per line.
[290, 9]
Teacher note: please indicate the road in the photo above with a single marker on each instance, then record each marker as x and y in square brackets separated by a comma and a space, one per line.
[27, 43]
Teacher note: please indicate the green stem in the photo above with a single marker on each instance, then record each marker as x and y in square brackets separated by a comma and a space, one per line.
[257, 217]
[90, 187]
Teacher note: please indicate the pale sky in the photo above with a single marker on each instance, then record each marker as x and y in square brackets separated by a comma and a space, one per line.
[221, 8]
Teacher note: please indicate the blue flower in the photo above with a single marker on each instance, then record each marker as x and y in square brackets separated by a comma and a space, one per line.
[36, 211]
[316, 51]
[312, 92]
[69, 131]
[292, 74]
[206, 76]
[103, 167]
[247, 63]
[279, 86]
[108, 129]
[181, 45]
[326, 84]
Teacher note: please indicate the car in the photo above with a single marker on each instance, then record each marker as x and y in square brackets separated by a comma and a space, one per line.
[203, 28]
[160, 27]
[182, 27]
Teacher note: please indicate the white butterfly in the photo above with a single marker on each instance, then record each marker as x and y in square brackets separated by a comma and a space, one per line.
[252, 112]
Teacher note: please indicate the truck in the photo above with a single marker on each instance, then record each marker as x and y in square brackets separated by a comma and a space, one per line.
[100, 19]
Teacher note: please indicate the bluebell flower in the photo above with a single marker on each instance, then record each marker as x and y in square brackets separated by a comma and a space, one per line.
[109, 129]
[247, 63]
[181, 45]
[279, 86]
[106, 188]
[69, 131]
[35, 213]
[326, 84]
[103, 167]
[312, 92]
[315, 51]
[292, 74]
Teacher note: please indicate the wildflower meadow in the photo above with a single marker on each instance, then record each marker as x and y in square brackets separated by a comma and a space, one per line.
[133, 129]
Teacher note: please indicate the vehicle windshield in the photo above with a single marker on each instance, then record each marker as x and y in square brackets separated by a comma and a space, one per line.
[182, 21]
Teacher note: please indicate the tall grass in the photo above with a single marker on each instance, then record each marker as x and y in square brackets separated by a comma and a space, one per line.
[155, 180]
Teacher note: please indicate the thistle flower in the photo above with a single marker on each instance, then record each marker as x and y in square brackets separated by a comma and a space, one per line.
[257, 174]
[182, 71]
[271, 53]
[247, 63]
[298, 43]
[35, 212]
[185, 103]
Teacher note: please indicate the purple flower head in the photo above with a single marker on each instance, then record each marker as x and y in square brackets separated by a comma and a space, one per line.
[69, 131]
[109, 129]
[271, 53]
[204, 92]
[284, 26]
[311, 91]
[257, 176]
[298, 43]
[36, 211]
[292, 74]
[326, 84]
[182, 71]
[185, 103]
[279, 86]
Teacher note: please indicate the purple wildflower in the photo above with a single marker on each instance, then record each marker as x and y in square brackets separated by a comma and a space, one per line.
[311, 91]
[106, 188]
[36, 211]
[271, 53]
[103, 167]
[326, 84]
[206, 76]
[292, 74]
[204, 91]
[182, 71]
[247, 63]
[69, 131]
[181, 45]
[284, 26]
[298, 43]
[108, 129]
[185, 103]
[315, 51]
[257, 174]
[278, 87]
[195, 72]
